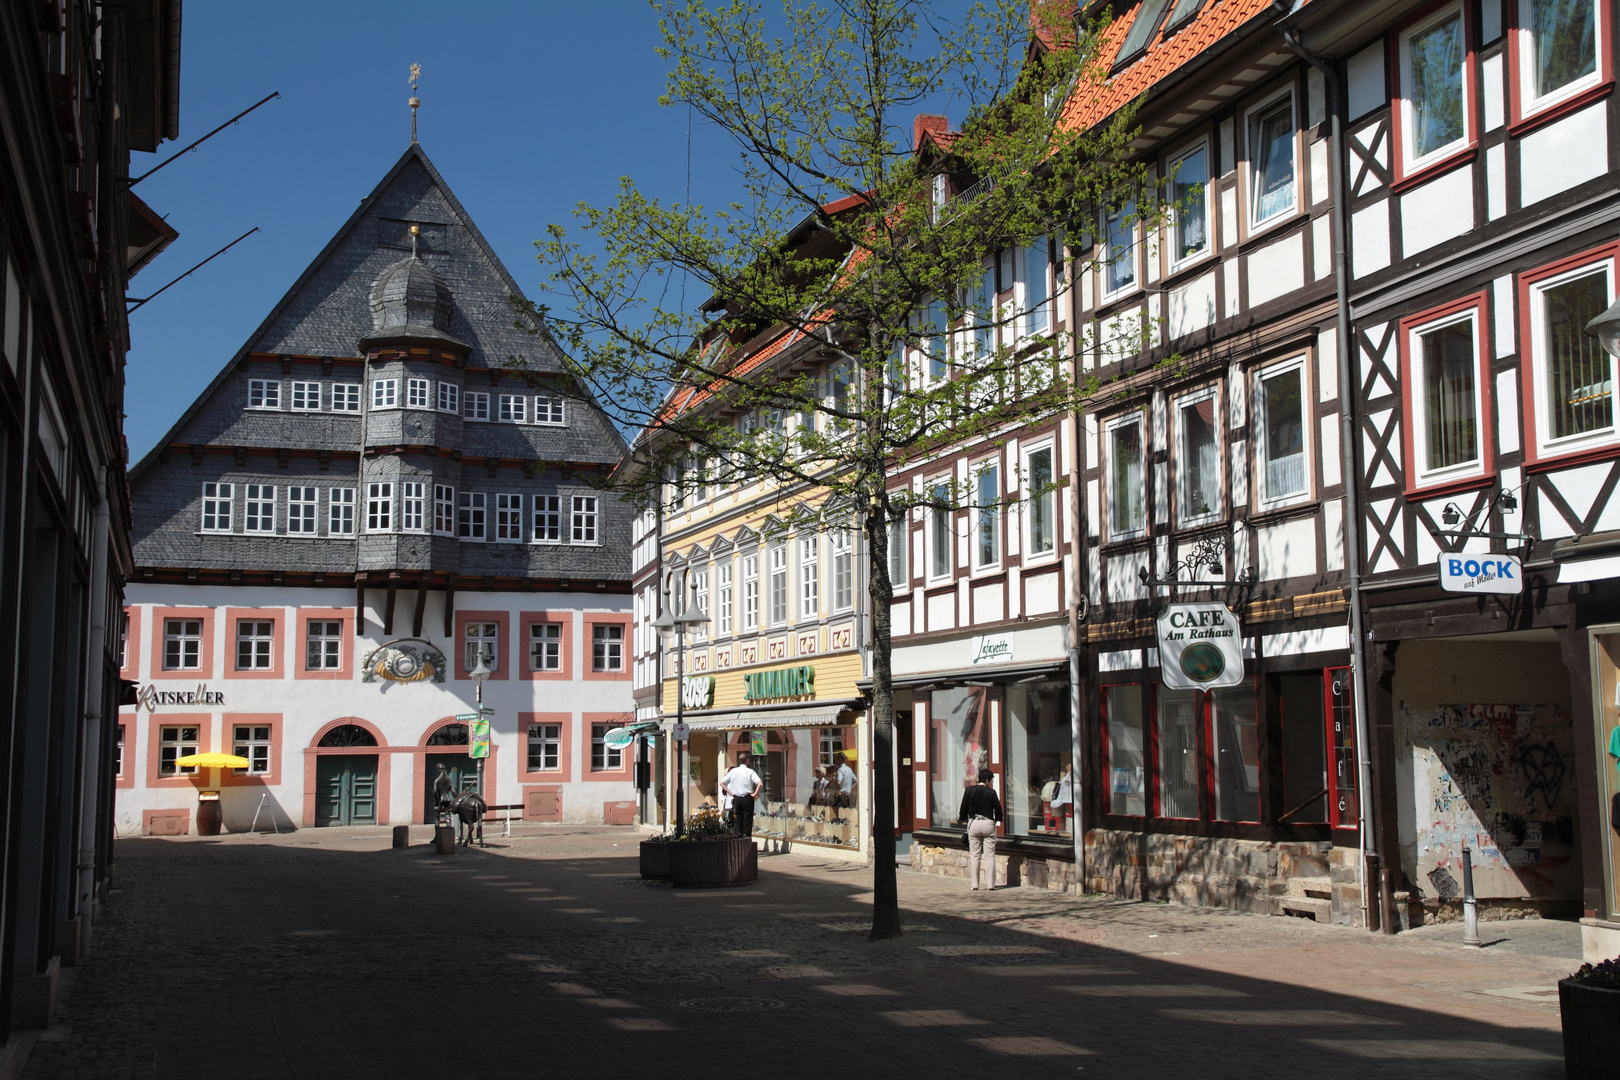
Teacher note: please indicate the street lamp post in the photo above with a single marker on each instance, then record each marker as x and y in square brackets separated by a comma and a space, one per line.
[670, 624]
[478, 674]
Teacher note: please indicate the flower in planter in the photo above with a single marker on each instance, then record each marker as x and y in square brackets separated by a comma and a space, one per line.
[709, 825]
[1604, 975]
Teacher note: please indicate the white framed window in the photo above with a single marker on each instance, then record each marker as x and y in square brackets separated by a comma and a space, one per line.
[346, 397]
[306, 396]
[255, 644]
[340, 512]
[1190, 221]
[513, 409]
[182, 644]
[259, 508]
[700, 600]
[1272, 160]
[508, 518]
[548, 519]
[607, 647]
[722, 606]
[545, 646]
[1197, 457]
[413, 506]
[264, 393]
[583, 526]
[176, 741]
[1037, 258]
[217, 507]
[252, 741]
[444, 509]
[809, 577]
[449, 397]
[1282, 465]
[419, 393]
[604, 758]
[1559, 49]
[1123, 444]
[934, 359]
[1573, 376]
[1435, 120]
[1119, 255]
[987, 515]
[475, 405]
[842, 543]
[483, 639]
[379, 508]
[778, 557]
[301, 510]
[984, 313]
[471, 516]
[750, 593]
[940, 518]
[899, 557]
[1445, 394]
[384, 393]
[323, 645]
[548, 409]
[545, 747]
[1040, 523]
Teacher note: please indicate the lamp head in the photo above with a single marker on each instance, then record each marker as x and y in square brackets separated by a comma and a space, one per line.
[480, 670]
[1606, 328]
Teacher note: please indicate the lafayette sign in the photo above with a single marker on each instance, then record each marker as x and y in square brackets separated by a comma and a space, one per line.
[1500, 575]
[1200, 647]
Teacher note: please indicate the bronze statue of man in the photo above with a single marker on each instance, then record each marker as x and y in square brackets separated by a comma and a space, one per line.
[444, 792]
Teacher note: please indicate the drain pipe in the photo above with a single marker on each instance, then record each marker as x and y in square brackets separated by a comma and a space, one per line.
[1347, 457]
[95, 721]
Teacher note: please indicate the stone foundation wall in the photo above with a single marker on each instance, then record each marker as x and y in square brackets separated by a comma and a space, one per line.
[1308, 879]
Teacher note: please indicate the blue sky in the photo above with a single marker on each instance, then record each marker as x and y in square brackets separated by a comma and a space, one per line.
[527, 108]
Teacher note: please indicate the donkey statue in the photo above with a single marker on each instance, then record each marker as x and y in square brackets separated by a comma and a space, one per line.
[468, 810]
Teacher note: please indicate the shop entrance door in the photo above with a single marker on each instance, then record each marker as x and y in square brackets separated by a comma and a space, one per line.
[346, 789]
[905, 777]
[463, 772]
[702, 781]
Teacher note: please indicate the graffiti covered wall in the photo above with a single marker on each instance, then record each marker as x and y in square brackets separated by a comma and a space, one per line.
[1485, 759]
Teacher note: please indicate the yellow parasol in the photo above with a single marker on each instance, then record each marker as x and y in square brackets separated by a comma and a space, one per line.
[213, 761]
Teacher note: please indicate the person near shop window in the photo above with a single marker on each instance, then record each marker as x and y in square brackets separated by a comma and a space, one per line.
[843, 782]
[981, 810]
[1059, 800]
[744, 786]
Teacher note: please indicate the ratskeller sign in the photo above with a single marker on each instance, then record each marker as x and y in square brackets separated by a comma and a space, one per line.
[1200, 647]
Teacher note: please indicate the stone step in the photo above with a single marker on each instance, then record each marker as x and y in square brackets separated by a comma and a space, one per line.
[1303, 907]
[1310, 888]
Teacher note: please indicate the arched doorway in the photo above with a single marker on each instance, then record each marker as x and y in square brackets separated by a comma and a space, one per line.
[346, 784]
[463, 769]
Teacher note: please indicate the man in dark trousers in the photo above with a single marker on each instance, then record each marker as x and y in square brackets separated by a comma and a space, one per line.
[981, 809]
[744, 786]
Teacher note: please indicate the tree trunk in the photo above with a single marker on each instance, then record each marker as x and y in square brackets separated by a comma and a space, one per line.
[885, 885]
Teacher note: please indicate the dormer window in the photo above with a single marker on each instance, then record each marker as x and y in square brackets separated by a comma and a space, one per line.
[1141, 32]
[264, 393]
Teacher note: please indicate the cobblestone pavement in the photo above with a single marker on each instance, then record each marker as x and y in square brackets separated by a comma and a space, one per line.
[326, 954]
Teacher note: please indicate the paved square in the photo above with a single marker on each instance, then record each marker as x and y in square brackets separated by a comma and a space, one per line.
[327, 954]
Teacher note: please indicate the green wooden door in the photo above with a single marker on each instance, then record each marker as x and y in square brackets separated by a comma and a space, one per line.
[346, 789]
[463, 772]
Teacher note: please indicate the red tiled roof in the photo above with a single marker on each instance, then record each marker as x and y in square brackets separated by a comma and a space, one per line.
[1162, 58]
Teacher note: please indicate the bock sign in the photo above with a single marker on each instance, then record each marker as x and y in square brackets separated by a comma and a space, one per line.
[1501, 575]
[1200, 647]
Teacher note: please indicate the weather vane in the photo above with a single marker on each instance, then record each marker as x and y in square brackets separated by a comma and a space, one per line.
[416, 73]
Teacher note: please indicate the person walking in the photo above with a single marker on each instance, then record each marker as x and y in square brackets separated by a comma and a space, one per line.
[743, 785]
[981, 809]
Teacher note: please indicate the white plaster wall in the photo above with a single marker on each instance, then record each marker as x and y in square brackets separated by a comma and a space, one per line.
[1440, 210]
[1565, 153]
[1277, 269]
[1287, 549]
[1191, 307]
[402, 712]
[1369, 239]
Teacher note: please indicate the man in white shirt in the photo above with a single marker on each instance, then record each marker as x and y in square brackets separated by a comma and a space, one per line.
[744, 785]
[844, 779]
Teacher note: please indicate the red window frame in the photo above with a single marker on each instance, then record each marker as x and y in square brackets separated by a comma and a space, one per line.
[1485, 421]
[1209, 764]
[1594, 450]
[1338, 709]
[1464, 154]
[1521, 124]
[1150, 753]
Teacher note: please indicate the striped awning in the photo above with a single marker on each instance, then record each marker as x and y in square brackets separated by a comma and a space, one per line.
[758, 719]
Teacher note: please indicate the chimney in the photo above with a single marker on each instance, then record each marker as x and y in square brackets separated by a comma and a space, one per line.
[927, 122]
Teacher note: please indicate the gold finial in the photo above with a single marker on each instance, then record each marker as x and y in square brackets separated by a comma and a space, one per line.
[415, 231]
[416, 73]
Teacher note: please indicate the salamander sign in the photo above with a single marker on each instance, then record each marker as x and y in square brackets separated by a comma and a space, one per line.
[788, 682]
[1501, 575]
[1200, 647]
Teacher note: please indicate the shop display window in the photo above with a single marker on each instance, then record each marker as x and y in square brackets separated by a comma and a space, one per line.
[1039, 796]
[812, 786]
[1126, 762]
[960, 746]
[1234, 748]
[1178, 753]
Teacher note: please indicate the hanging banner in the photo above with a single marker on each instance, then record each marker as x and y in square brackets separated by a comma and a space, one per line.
[1500, 575]
[1200, 647]
[478, 743]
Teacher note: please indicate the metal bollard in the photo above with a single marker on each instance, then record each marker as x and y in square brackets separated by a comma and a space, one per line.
[1470, 908]
[444, 840]
[402, 836]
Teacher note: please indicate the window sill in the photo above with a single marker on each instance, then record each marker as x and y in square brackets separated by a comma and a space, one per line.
[1273, 514]
[1567, 458]
[1434, 170]
[1253, 233]
[1524, 125]
[1441, 489]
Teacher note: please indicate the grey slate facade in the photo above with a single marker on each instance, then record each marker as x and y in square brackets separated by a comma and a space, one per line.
[383, 368]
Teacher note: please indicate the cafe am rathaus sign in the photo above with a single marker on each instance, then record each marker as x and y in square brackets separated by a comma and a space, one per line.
[1200, 647]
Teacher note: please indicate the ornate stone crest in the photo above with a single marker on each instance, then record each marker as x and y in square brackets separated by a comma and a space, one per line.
[404, 660]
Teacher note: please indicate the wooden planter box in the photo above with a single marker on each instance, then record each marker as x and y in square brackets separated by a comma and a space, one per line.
[655, 858]
[708, 863]
[1591, 1016]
